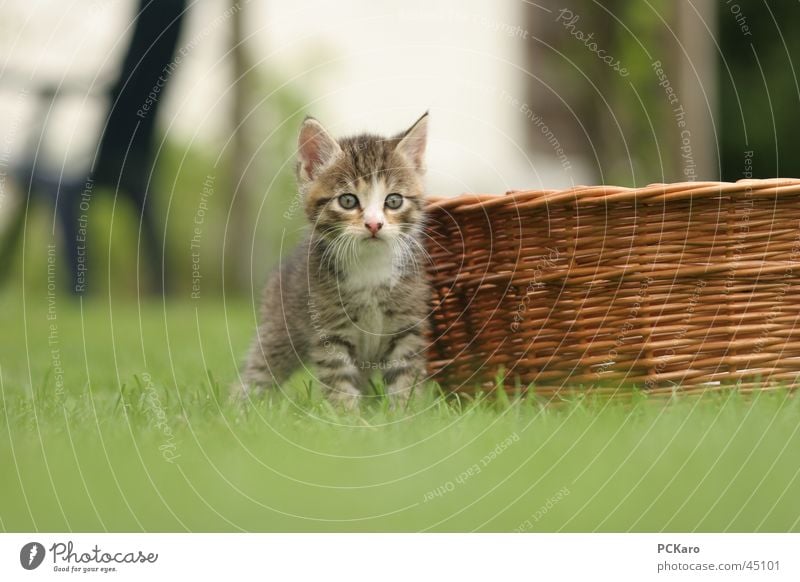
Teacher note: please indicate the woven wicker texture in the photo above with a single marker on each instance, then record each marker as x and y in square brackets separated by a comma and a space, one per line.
[686, 286]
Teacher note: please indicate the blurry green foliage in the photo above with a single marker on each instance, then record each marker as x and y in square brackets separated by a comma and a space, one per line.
[759, 95]
[182, 204]
[628, 126]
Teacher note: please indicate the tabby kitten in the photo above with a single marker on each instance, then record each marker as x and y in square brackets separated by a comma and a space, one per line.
[353, 298]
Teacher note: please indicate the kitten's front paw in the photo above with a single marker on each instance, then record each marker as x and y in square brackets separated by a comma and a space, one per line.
[398, 401]
[347, 400]
[239, 391]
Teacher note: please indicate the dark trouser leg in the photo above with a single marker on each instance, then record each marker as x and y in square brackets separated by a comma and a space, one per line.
[152, 239]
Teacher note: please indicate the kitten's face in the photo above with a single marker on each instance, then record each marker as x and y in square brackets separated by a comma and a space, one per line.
[364, 190]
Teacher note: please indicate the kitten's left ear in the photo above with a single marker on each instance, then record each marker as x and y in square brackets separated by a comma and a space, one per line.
[413, 142]
[315, 149]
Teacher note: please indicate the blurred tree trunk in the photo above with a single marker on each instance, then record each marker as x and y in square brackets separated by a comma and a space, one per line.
[697, 28]
[627, 116]
[237, 264]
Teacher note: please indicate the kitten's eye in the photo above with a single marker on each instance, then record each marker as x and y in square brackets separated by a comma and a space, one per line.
[393, 201]
[348, 201]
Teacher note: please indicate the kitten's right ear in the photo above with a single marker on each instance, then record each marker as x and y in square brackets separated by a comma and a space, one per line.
[315, 149]
[413, 142]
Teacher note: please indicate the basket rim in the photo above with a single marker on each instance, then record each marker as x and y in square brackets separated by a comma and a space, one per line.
[751, 188]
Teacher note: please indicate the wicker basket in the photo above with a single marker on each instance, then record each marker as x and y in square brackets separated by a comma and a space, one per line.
[684, 287]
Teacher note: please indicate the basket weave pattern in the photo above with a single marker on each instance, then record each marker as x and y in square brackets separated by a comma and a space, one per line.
[685, 286]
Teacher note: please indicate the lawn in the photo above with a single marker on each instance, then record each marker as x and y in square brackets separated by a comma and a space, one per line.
[113, 418]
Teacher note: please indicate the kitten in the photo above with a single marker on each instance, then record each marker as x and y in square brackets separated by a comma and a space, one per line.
[353, 298]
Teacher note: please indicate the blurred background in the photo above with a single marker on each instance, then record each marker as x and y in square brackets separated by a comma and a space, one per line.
[148, 146]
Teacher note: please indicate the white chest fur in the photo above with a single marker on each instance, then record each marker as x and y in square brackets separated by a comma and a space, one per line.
[368, 280]
[370, 329]
[373, 267]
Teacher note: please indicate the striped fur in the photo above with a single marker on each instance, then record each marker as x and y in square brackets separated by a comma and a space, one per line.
[350, 301]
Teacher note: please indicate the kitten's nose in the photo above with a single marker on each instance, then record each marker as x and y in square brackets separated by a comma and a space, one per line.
[373, 227]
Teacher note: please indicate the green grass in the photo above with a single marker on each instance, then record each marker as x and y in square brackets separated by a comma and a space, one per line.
[139, 437]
